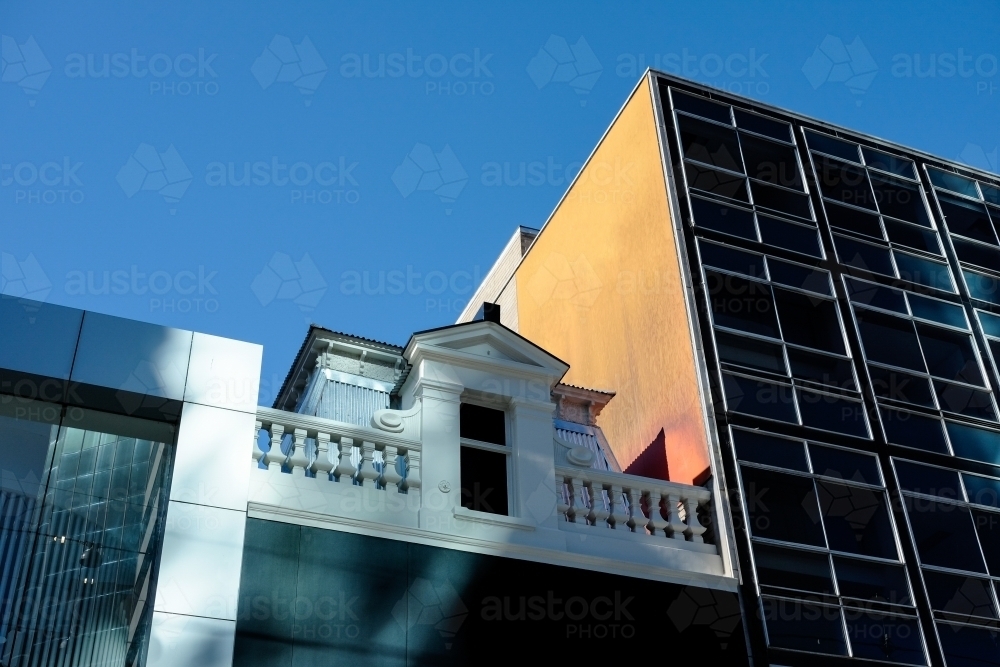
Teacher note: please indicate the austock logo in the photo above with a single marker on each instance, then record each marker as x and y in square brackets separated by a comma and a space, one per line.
[24, 65]
[431, 604]
[424, 170]
[148, 170]
[298, 64]
[559, 62]
[833, 61]
[718, 610]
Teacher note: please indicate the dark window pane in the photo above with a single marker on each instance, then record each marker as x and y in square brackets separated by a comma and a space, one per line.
[889, 340]
[742, 304]
[856, 520]
[771, 162]
[988, 528]
[990, 194]
[986, 256]
[923, 271]
[809, 321]
[899, 386]
[821, 368]
[986, 288]
[731, 259]
[781, 200]
[964, 400]
[484, 424]
[762, 125]
[939, 311]
[844, 182]
[982, 490]
[966, 646]
[832, 146]
[879, 296]
[852, 219]
[961, 597]
[890, 163]
[770, 450]
[484, 480]
[912, 236]
[758, 398]
[878, 636]
[796, 275]
[710, 143]
[782, 506]
[900, 199]
[797, 238]
[912, 430]
[792, 568]
[974, 443]
[804, 627]
[871, 581]
[750, 352]
[929, 480]
[864, 256]
[967, 218]
[831, 413]
[700, 106]
[953, 182]
[716, 182]
[949, 354]
[945, 534]
[991, 323]
[722, 218]
[834, 462]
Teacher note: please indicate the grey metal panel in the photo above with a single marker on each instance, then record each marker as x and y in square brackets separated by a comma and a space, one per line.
[350, 403]
[135, 356]
[38, 338]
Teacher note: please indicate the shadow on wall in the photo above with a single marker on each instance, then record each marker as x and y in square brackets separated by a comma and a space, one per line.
[652, 462]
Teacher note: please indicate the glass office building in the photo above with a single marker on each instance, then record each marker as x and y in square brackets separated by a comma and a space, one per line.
[845, 292]
[839, 301]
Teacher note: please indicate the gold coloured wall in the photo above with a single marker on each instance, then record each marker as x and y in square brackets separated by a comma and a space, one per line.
[601, 289]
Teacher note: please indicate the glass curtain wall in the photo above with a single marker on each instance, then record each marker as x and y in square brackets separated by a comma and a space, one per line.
[848, 301]
[82, 504]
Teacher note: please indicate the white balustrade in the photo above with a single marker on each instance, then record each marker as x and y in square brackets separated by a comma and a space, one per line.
[629, 503]
[341, 453]
[335, 451]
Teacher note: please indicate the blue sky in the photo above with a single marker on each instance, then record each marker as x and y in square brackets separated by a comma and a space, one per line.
[378, 135]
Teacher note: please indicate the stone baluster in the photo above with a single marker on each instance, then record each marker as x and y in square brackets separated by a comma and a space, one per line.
[297, 458]
[322, 466]
[576, 508]
[274, 458]
[636, 519]
[412, 469]
[656, 521]
[598, 512]
[258, 453]
[390, 476]
[562, 495]
[694, 527]
[367, 471]
[674, 522]
[345, 470]
[618, 517]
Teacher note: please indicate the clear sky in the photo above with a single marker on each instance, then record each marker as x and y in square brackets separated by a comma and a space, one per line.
[244, 169]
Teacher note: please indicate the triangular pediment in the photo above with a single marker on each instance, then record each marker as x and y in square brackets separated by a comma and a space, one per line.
[489, 341]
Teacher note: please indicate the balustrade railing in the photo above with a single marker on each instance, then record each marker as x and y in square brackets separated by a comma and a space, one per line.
[631, 504]
[304, 446]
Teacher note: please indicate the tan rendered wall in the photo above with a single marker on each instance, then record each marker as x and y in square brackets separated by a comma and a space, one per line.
[601, 289]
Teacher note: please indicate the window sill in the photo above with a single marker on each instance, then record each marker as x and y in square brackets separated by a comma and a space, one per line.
[466, 514]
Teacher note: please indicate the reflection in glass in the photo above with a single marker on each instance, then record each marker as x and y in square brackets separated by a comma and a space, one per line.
[84, 574]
